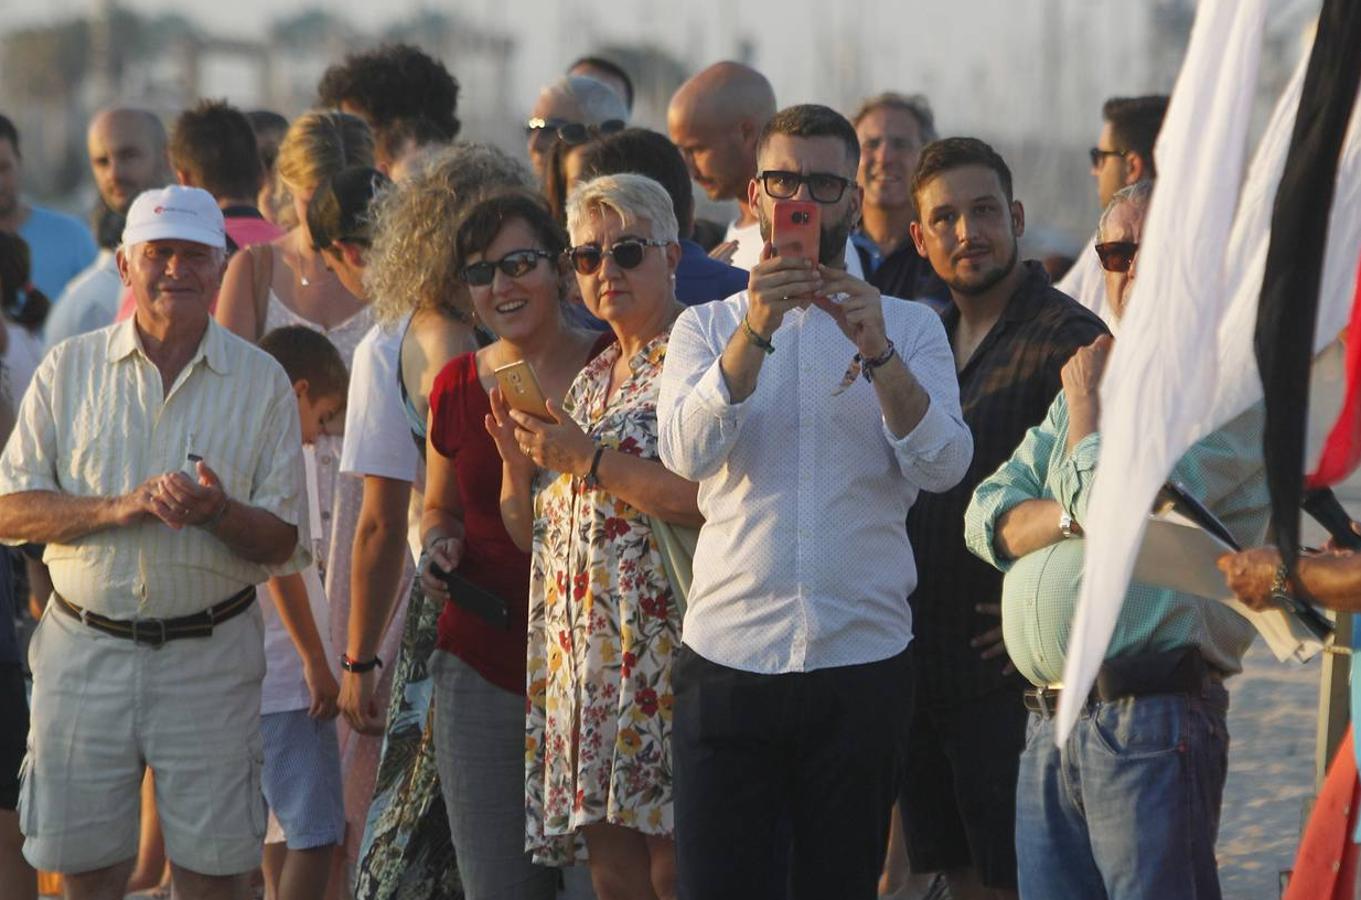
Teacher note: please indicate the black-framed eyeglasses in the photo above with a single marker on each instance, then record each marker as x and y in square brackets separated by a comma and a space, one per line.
[823, 187]
[1097, 155]
[628, 253]
[1117, 256]
[513, 265]
[574, 133]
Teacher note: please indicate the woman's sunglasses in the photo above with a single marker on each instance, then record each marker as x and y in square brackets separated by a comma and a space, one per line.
[628, 253]
[1117, 256]
[513, 264]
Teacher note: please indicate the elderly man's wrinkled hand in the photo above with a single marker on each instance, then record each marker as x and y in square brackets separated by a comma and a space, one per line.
[178, 501]
[1250, 574]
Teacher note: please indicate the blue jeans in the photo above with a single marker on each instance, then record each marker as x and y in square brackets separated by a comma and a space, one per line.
[1129, 807]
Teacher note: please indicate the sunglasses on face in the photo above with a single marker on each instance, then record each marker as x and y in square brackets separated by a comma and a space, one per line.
[513, 264]
[573, 133]
[1117, 256]
[823, 187]
[1097, 155]
[627, 254]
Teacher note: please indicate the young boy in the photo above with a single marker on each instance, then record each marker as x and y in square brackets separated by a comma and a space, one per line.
[301, 777]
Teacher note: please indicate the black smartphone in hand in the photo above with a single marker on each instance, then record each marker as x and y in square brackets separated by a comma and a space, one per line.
[477, 600]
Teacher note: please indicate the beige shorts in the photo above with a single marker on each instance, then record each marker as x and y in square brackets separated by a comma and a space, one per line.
[105, 708]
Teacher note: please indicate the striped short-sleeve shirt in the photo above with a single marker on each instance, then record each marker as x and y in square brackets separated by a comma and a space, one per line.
[96, 422]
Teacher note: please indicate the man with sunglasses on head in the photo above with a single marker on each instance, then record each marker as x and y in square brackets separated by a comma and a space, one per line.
[1123, 155]
[571, 110]
[1128, 806]
[1011, 334]
[812, 413]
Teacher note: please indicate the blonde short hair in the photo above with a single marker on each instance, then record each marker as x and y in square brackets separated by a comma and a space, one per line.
[629, 196]
[319, 144]
[412, 264]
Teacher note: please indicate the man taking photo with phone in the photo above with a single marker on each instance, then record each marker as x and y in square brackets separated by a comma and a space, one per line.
[811, 431]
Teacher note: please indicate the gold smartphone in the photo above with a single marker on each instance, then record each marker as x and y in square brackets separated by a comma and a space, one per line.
[521, 389]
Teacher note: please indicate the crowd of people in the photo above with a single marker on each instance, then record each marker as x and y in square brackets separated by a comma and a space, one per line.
[405, 521]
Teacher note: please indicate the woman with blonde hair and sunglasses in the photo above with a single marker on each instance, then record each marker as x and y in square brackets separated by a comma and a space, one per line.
[586, 495]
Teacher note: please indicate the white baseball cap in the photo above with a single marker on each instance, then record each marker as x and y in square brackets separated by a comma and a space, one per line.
[175, 212]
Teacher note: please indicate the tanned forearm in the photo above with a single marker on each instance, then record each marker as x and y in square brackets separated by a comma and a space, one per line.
[517, 508]
[376, 562]
[49, 517]
[650, 487]
[255, 535]
[1334, 581]
[289, 593]
[741, 366]
[1028, 526]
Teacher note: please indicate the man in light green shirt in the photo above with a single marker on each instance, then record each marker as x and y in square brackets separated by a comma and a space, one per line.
[1129, 805]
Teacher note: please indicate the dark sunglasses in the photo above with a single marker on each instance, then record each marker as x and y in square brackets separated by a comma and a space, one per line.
[1117, 256]
[574, 133]
[1097, 155]
[628, 253]
[823, 187]
[513, 264]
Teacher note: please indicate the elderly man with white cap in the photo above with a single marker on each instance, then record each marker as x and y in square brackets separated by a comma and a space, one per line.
[160, 461]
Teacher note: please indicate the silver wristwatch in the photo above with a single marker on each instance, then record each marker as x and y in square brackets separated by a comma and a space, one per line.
[1066, 524]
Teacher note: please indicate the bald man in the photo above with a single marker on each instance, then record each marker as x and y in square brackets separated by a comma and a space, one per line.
[127, 155]
[715, 119]
[572, 100]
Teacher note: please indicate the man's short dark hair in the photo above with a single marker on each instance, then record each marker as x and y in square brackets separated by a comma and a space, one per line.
[215, 145]
[951, 153]
[1135, 123]
[613, 68]
[339, 208]
[394, 81]
[645, 152]
[391, 138]
[308, 354]
[9, 133]
[810, 120]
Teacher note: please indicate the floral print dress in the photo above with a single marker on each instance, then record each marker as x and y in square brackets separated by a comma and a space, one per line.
[603, 627]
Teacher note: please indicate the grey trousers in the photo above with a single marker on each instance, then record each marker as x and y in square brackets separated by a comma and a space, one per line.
[480, 751]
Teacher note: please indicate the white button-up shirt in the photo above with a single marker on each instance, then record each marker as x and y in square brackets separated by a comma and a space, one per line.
[803, 562]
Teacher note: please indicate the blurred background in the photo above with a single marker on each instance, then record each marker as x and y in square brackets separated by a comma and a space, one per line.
[1027, 76]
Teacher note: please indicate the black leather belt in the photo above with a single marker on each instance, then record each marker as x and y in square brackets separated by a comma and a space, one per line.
[156, 632]
[1179, 671]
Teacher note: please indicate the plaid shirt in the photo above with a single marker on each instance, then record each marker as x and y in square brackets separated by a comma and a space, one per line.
[1005, 388]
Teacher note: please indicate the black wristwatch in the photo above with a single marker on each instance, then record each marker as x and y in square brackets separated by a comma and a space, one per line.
[593, 477]
[350, 665]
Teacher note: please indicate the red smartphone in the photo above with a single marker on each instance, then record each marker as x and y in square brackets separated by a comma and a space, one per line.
[797, 229]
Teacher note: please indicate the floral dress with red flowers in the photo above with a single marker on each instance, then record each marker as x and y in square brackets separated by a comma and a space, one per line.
[603, 628]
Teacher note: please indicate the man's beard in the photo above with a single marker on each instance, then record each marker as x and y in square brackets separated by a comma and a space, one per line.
[989, 279]
[831, 239]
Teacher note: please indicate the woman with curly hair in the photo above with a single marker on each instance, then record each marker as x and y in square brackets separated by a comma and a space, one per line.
[425, 318]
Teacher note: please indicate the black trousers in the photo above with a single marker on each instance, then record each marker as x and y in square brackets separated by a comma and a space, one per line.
[784, 784]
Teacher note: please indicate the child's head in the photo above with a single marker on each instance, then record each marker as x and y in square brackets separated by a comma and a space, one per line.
[319, 377]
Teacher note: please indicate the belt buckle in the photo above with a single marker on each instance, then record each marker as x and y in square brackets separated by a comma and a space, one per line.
[155, 639]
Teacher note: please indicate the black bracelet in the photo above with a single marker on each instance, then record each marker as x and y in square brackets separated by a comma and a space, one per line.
[350, 665]
[593, 476]
[867, 366]
[755, 339]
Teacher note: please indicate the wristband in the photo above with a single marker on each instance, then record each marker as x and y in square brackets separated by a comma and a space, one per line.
[593, 476]
[755, 339]
[867, 366]
[350, 665]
